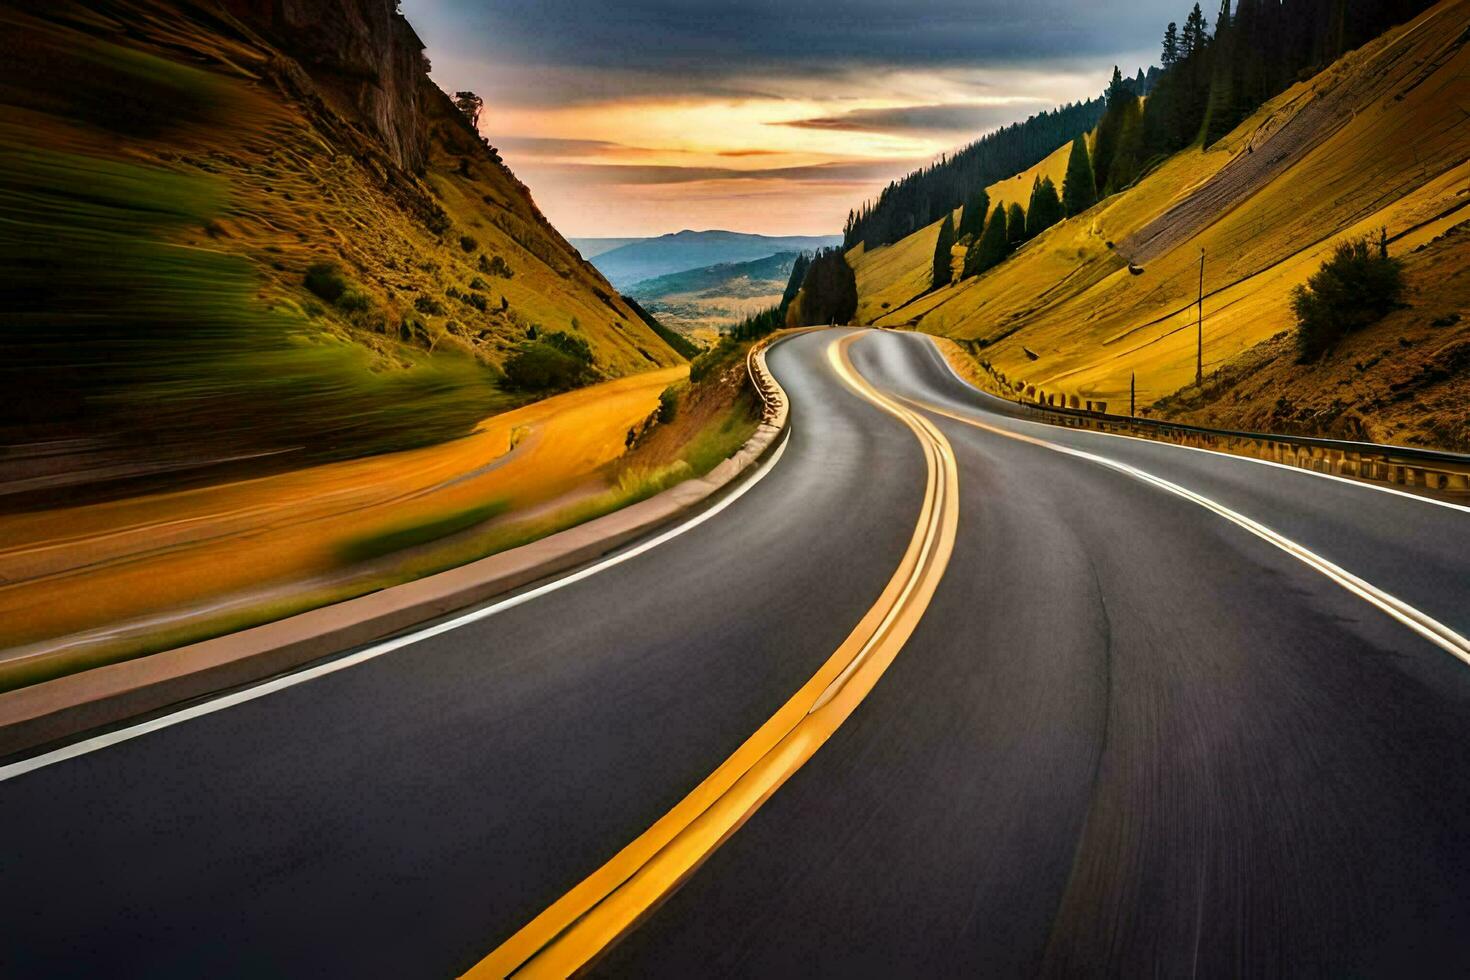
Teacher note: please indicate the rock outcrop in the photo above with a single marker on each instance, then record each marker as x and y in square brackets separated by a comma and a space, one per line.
[364, 58]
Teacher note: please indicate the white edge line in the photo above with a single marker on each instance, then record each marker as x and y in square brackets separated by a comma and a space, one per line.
[1420, 622]
[1364, 484]
[93, 744]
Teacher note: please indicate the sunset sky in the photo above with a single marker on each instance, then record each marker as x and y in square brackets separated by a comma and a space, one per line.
[776, 116]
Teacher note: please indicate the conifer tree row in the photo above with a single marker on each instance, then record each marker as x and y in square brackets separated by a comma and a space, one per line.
[1206, 84]
[924, 196]
[1211, 80]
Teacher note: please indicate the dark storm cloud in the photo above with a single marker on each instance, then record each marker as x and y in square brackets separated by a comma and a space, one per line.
[585, 50]
[921, 118]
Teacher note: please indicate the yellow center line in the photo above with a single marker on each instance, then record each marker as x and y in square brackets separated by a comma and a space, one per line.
[612, 900]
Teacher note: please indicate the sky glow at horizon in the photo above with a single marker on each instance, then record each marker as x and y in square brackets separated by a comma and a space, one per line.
[772, 116]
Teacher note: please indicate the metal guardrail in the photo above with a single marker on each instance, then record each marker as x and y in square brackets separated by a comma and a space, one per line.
[1444, 473]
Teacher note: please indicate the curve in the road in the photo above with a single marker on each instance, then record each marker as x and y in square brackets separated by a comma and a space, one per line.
[127, 733]
[600, 909]
[1415, 619]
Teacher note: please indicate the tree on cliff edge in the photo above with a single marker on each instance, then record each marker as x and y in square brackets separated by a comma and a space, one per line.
[471, 105]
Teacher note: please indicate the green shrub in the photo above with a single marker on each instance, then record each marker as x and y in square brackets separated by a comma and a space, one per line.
[703, 365]
[354, 300]
[576, 347]
[479, 284]
[668, 403]
[468, 243]
[496, 267]
[1356, 287]
[325, 279]
[429, 306]
[539, 366]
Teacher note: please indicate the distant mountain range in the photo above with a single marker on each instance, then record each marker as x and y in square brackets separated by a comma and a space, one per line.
[715, 296]
[630, 263]
[725, 279]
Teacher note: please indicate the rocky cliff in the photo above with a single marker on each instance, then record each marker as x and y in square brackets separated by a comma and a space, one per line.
[364, 57]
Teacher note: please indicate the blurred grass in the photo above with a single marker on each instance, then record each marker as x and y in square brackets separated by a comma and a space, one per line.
[117, 337]
[410, 535]
[112, 331]
[451, 539]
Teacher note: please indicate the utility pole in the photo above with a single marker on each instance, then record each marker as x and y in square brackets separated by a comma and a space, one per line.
[1199, 345]
[1132, 394]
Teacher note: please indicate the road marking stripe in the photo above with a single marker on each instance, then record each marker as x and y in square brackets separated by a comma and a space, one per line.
[609, 902]
[107, 739]
[1362, 484]
[1420, 622]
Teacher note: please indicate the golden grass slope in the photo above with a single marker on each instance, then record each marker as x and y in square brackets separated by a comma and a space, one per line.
[1377, 139]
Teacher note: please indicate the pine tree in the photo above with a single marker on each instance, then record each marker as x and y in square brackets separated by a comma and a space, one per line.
[943, 263]
[1129, 153]
[793, 282]
[1015, 226]
[990, 250]
[1034, 210]
[972, 219]
[1192, 42]
[1108, 131]
[1170, 56]
[1045, 209]
[1220, 108]
[828, 292]
[1079, 191]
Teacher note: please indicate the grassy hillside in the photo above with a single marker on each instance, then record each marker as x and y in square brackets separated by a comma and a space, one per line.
[171, 177]
[716, 296]
[1375, 140]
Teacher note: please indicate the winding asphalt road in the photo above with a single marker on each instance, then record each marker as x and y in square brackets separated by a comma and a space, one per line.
[1165, 712]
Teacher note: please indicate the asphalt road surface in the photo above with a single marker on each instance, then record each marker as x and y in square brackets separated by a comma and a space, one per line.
[1167, 712]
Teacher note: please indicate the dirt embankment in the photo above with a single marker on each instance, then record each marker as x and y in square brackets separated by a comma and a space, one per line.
[1405, 380]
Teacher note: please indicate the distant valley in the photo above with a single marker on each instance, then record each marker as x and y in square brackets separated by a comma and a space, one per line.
[705, 300]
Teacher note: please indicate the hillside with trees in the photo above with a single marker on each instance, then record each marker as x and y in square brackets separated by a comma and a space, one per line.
[923, 197]
[1365, 148]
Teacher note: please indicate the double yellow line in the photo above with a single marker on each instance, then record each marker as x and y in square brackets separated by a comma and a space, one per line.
[612, 900]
